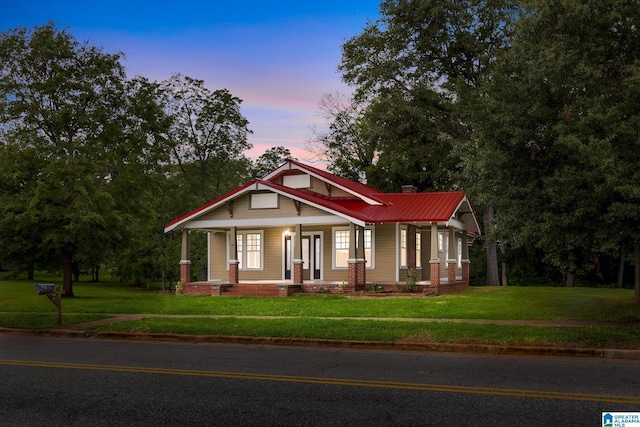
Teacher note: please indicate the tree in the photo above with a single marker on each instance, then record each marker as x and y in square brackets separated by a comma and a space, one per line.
[67, 109]
[270, 160]
[560, 110]
[414, 65]
[207, 133]
[351, 154]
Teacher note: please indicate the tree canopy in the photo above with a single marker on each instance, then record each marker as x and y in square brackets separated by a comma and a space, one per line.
[520, 104]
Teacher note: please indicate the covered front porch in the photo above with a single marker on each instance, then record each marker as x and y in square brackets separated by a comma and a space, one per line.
[298, 255]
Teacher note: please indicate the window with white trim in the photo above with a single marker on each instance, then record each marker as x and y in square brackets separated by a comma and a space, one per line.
[403, 247]
[368, 245]
[443, 240]
[418, 249]
[459, 252]
[341, 246]
[249, 245]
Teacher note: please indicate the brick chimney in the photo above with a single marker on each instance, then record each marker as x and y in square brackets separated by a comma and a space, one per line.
[409, 189]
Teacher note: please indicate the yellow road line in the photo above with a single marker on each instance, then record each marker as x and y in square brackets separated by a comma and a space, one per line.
[491, 391]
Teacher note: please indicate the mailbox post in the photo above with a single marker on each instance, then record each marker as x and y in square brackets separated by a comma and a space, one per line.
[54, 293]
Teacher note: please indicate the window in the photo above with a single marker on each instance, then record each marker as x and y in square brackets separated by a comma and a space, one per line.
[368, 242]
[341, 246]
[459, 252]
[403, 247]
[418, 249]
[253, 251]
[249, 248]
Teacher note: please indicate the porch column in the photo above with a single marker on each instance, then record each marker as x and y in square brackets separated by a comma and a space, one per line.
[185, 258]
[361, 261]
[434, 261]
[451, 258]
[234, 275]
[352, 262]
[465, 256]
[298, 262]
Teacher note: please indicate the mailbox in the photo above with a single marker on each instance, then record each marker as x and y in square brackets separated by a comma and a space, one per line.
[44, 288]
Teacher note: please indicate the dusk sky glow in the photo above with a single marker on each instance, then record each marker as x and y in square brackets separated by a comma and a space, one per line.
[279, 57]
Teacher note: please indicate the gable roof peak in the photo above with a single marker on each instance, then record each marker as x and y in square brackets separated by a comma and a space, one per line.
[356, 189]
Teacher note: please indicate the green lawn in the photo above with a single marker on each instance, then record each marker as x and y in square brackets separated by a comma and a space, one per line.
[20, 307]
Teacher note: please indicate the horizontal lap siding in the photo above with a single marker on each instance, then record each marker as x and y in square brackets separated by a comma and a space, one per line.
[242, 210]
[272, 261]
[385, 254]
[331, 274]
[272, 256]
[218, 257]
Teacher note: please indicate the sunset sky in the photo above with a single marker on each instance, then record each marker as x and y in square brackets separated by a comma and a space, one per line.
[279, 57]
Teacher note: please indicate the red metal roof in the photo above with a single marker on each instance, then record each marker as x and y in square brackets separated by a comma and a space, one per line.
[374, 207]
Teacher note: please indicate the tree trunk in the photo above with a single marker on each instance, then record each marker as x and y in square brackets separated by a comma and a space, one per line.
[504, 274]
[76, 272]
[636, 278]
[67, 276]
[571, 279]
[491, 248]
[620, 279]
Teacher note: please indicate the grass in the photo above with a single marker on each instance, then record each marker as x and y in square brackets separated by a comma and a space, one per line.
[377, 330]
[20, 307]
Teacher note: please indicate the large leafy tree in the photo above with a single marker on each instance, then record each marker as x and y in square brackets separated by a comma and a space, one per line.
[270, 160]
[559, 120]
[345, 145]
[85, 132]
[208, 132]
[413, 66]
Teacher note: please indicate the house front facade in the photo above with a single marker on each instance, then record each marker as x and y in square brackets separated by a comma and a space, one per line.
[302, 228]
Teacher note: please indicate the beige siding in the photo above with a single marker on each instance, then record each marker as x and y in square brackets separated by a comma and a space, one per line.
[242, 210]
[385, 256]
[218, 256]
[272, 257]
[319, 187]
[272, 267]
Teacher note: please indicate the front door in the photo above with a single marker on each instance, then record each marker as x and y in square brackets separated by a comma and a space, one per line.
[311, 257]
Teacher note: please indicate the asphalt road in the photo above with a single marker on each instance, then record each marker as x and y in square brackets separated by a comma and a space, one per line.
[91, 382]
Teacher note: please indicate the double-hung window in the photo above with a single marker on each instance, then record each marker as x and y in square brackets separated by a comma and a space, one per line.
[403, 247]
[249, 245]
[341, 241]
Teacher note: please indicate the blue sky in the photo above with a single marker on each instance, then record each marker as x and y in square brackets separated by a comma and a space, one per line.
[279, 57]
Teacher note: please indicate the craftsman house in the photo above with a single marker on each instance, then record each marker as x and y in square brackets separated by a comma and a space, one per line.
[300, 228]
